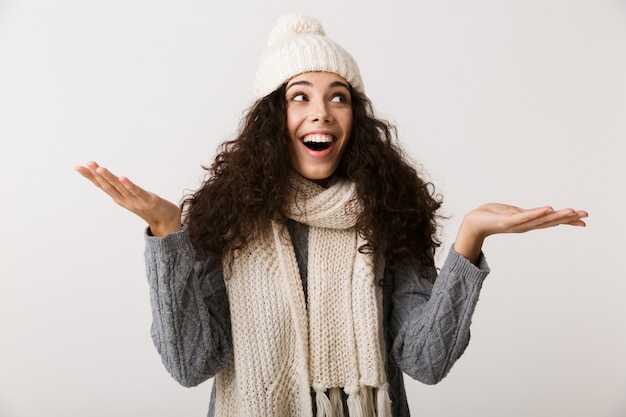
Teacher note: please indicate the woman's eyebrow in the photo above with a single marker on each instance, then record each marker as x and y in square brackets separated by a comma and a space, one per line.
[303, 82]
[339, 84]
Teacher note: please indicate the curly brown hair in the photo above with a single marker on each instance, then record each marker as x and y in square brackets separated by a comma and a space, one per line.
[246, 186]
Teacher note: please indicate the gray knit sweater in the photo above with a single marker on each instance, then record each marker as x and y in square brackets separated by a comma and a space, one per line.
[426, 320]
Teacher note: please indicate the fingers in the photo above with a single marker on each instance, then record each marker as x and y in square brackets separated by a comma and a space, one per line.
[121, 189]
[133, 189]
[111, 182]
[86, 172]
[529, 215]
[123, 185]
[574, 218]
[89, 171]
[551, 218]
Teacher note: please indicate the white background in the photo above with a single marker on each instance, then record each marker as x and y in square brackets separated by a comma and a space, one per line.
[522, 102]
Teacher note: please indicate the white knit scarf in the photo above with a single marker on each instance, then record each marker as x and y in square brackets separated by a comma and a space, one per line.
[283, 346]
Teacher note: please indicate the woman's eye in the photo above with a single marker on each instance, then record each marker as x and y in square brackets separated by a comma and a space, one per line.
[299, 97]
[339, 98]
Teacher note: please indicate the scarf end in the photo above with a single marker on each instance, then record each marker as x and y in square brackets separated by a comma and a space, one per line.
[383, 402]
[330, 405]
[361, 402]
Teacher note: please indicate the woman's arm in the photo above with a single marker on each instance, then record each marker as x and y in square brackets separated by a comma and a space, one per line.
[430, 318]
[191, 321]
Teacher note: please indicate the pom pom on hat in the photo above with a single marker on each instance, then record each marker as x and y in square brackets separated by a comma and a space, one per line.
[298, 44]
[293, 24]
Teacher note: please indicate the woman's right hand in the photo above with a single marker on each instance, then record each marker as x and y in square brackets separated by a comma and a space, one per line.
[162, 216]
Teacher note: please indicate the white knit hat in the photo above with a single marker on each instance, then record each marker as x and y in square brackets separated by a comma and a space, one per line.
[298, 44]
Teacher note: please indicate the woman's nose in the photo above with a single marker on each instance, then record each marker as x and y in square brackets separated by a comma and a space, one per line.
[319, 112]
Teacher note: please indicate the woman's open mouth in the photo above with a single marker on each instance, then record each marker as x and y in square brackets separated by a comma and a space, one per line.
[318, 143]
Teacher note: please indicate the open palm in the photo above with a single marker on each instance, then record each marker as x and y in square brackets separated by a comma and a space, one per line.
[161, 215]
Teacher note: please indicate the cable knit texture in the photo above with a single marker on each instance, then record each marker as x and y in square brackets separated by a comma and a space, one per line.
[281, 350]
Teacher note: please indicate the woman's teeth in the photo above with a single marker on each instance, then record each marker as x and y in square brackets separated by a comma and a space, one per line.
[317, 142]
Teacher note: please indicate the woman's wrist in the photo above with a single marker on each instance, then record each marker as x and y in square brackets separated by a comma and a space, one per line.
[468, 243]
[167, 225]
[160, 230]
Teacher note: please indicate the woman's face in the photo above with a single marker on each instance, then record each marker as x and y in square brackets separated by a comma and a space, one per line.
[319, 121]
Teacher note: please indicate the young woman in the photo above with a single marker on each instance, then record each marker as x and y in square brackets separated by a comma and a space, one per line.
[301, 274]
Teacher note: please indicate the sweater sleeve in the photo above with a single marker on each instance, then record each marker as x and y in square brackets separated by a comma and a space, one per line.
[431, 316]
[190, 315]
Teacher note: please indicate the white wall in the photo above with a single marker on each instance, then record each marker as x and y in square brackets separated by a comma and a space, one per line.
[521, 102]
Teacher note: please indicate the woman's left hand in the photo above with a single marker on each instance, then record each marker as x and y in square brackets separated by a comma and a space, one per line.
[493, 218]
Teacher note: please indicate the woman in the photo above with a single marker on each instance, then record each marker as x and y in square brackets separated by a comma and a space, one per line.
[303, 276]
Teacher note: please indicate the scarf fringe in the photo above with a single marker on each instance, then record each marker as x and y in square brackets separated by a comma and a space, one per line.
[368, 401]
[328, 405]
[324, 406]
[355, 402]
[337, 402]
[360, 401]
[383, 402]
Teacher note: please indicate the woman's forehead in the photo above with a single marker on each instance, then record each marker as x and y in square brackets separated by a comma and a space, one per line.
[317, 77]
